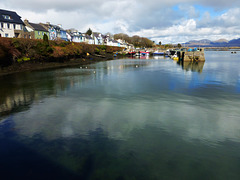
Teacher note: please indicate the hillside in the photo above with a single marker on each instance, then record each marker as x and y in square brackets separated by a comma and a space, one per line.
[218, 43]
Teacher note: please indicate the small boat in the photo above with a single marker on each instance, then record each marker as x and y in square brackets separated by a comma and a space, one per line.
[138, 54]
[175, 57]
[156, 53]
[131, 53]
[144, 53]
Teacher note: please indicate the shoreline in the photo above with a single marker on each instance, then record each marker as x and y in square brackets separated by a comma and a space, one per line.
[37, 66]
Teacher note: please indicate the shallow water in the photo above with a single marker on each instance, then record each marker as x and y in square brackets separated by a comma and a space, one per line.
[123, 119]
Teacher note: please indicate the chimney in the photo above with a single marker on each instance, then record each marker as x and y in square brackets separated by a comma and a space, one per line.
[26, 21]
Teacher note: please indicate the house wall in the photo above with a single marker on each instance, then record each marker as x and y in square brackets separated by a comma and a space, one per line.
[64, 35]
[39, 34]
[7, 29]
[52, 33]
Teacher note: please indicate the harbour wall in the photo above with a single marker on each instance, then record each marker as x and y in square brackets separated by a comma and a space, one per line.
[191, 56]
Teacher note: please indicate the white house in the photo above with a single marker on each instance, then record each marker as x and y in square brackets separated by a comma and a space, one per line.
[75, 36]
[11, 24]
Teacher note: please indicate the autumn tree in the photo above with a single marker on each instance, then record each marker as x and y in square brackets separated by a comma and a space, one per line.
[135, 40]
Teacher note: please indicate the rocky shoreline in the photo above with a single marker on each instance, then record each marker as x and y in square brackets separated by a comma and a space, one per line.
[35, 66]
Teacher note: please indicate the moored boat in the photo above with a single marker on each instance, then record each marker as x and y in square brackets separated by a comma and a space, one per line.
[131, 53]
[144, 53]
[157, 53]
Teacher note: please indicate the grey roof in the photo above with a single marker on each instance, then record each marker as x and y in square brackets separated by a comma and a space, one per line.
[38, 27]
[56, 27]
[15, 18]
[88, 37]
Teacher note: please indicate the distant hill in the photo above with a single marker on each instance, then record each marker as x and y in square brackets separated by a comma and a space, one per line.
[235, 42]
[208, 43]
[221, 41]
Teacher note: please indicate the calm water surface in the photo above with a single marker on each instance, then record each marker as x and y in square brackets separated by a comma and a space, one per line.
[123, 119]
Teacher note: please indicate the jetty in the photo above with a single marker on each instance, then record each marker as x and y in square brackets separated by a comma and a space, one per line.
[191, 55]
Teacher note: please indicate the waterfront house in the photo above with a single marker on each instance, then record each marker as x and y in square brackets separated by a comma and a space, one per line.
[113, 42]
[55, 31]
[97, 38]
[36, 31]
[75, 35]
[11, 24]
[88, 39]
[106, 39]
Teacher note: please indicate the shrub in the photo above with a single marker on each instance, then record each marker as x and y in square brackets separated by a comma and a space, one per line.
[102, 47]
[97, 51]
[5, 56]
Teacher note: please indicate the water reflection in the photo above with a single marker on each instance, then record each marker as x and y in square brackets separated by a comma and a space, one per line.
[192, 66]
[18, 91]
[99, 122]
[178, 115]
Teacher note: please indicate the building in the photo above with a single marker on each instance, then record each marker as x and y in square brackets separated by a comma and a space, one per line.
[36, 31]
[11, 24]
[97, 38]
[76, 36]
[56, 32]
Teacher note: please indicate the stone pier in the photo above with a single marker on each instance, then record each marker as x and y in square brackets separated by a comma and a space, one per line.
[192, 56]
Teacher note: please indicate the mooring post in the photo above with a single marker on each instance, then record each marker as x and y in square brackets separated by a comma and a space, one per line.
[179, 55]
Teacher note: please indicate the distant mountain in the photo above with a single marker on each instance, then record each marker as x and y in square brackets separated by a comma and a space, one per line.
[221, 41]
[235, 42]
[218, 43]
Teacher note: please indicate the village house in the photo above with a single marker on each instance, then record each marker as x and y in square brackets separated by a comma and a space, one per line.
[56, 32]
[36, 31]
[113, 42]
[106, 39]
[97, 38]
[88, 39]
[11, 24]
[76, 36]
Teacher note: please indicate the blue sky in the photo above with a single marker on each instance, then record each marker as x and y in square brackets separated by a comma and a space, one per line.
[173, 21]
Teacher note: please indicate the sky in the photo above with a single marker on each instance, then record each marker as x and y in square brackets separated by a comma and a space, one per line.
[165, 21]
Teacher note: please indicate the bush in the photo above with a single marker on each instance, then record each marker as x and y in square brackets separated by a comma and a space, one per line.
[97, 51]
[102, 47]
[5, 56]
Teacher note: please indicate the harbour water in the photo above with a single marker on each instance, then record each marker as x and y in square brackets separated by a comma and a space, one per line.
[123, 119]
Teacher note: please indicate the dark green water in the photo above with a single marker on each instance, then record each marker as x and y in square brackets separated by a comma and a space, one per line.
[123, 119]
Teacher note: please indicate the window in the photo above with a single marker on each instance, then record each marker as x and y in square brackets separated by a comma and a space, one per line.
[8, 25]
[39, 33]
[6, 35]
[42, 33]
[14, 26]
[7, 17]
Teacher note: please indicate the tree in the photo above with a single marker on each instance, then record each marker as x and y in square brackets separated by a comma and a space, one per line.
[89, 32]
[160, 43]
[179, 45]
[45, 38]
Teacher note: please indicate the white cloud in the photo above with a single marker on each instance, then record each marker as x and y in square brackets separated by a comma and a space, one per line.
[156, 19]
[190, 11]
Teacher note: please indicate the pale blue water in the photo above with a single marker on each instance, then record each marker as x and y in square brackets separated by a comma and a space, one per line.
[123, 119]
